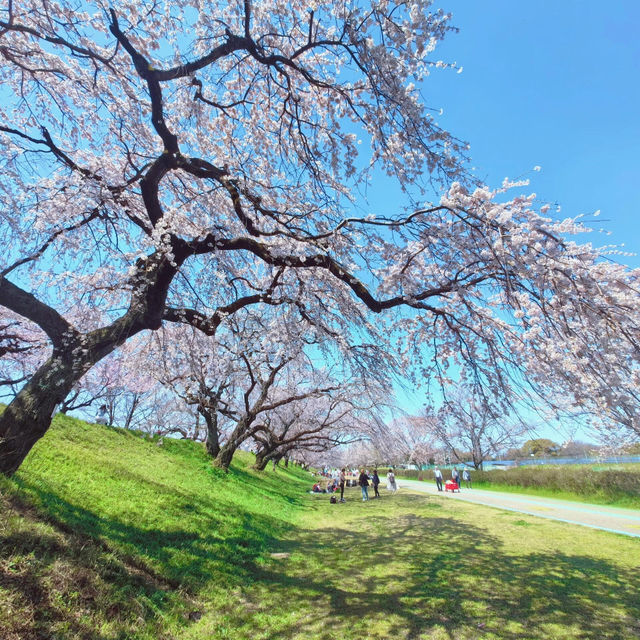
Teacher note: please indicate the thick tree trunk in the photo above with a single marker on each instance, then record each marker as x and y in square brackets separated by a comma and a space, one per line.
[261, 461]
[263, 458]
[28, 416]
[225, 456]
[240, 434]
[213, 435]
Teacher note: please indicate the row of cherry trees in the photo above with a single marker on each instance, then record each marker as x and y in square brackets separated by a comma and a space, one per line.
[180, 164]
[241, 388]
[465, 429]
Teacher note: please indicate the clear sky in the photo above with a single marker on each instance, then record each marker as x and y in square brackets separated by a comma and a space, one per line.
[554, 83]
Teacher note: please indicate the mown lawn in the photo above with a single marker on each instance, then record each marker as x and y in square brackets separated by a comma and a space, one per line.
[109, 536]
[417, 567]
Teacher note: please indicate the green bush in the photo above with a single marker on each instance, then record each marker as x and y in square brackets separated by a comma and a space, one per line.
[585, 481]
[617, 485]
[412, 473]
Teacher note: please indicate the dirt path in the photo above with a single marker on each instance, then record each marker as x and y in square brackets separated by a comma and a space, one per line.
[623, 521]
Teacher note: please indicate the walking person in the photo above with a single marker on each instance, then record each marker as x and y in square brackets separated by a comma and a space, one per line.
[341, 480]
[438, 475]
[466, 476]
[455, 476]
[391, 481]
[375, 481]
[363, 481]
[102, 415]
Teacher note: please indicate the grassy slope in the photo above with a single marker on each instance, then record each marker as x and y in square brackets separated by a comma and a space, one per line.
[104, 534]
[144, 541]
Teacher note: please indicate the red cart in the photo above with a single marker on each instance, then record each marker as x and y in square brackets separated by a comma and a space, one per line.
[452, 486]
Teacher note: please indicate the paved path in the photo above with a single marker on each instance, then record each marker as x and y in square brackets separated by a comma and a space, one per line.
[623, 521]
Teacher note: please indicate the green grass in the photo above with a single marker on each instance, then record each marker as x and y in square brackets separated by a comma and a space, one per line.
[104, 529]
[616, 486]
[611, 485]
[106, 535]
[411, 567]
[595, 497]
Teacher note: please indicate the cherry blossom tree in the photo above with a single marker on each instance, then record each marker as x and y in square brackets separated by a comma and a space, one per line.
[152, 150]
[20, 347]
[410, 440]
[273, 380]
[171, 164]
[468, 426]
[319, 423]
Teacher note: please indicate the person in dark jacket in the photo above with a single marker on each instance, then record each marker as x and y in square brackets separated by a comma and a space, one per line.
[363, 481]
[375, 481]
[343, 479]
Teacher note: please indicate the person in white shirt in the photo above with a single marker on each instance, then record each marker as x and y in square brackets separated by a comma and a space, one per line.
[391, 481]
[438, 475]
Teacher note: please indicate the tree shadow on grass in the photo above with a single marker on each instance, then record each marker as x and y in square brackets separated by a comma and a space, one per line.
[64, 585]
[197, 540]
[183, 551]
[449, 576]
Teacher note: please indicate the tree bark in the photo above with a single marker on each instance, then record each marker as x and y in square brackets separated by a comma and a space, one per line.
[261, 462]
[28, 416]
[240, 434]
[225, 456]
[263, 457]
[134, 404]
[213, 435]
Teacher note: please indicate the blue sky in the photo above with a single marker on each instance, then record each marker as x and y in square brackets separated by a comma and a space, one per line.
[554, 83]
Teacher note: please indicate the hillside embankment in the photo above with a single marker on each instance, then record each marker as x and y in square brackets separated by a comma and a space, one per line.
[106, 533]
